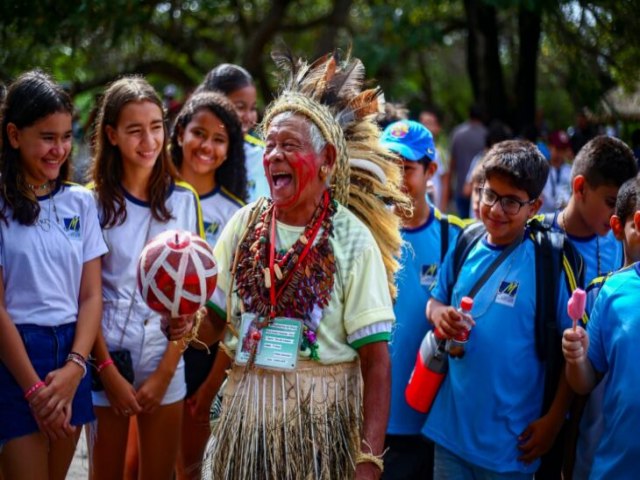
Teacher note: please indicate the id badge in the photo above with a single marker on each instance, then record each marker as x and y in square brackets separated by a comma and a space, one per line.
[278, 346]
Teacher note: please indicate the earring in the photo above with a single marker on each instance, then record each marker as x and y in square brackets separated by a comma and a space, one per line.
[323, 172]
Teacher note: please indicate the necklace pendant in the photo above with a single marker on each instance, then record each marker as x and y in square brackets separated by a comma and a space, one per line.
[277, 271]
[267, 278]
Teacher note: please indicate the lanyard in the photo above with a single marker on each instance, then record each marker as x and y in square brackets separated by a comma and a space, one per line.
[273, 296]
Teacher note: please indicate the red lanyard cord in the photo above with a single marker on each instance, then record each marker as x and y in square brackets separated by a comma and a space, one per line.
[273, 296]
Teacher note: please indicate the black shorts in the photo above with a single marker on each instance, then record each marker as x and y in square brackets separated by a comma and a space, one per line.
[197, 364]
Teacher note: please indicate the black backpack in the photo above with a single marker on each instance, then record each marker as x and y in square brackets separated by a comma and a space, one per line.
[553, 253]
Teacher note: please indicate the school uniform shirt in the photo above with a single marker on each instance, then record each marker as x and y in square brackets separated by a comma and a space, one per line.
[126, 241]
[218, 206]
[491, 395]
[601, 254]
[421, 251]
[614, 336]
[591, 422]
[42, 263]
[257, 183]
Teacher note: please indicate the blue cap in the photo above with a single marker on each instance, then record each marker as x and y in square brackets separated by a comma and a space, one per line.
[411, 140]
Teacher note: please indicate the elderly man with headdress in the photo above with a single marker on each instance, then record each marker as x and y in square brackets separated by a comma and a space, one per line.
[306, 284]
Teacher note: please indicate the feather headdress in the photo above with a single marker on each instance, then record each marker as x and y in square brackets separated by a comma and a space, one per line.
[366, 178]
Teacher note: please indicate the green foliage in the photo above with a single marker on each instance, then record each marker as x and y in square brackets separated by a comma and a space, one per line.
[415, 49]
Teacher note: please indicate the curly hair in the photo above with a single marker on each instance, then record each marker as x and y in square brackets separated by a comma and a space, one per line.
[108, 168]
[232, 174]
[32, 97]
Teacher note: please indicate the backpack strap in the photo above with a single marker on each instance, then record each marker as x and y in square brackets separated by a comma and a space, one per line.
[466, 241]
[469, 236]
[553, 255]
[444, 236]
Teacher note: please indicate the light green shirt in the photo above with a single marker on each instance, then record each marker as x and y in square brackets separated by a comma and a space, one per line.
[359, 310]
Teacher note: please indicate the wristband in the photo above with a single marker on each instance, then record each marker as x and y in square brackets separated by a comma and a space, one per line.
[74, 359]
[105, 364]
[33, 389]
[370, 458]
[78, 355]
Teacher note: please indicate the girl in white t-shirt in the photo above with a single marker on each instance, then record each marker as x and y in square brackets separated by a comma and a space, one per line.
[138, 198]
[50, 291]
[206, 146]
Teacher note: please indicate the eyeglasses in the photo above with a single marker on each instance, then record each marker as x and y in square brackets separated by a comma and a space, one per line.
[510, 205]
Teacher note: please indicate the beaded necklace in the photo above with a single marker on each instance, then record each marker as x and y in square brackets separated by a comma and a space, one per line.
[288, 283]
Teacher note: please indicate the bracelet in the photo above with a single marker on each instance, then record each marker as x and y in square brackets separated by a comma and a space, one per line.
[105, 364]
[79, 356]
[33, 389]
[79, 362]
[362, 457]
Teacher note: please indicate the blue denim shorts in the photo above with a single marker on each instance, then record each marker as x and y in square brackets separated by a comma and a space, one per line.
[47, 348]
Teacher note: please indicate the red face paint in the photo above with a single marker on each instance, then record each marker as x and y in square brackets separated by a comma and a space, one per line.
[305, 168]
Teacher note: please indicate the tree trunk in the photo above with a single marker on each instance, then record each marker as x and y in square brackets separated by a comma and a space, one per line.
[337, 20]
[483, 59]
[529, 25]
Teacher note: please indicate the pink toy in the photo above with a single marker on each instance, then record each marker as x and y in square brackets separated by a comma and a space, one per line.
[576, 304]
[177, 273]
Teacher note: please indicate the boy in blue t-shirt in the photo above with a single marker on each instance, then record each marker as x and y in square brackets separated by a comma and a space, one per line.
[409, 454]
[624, 229]
[486, 420]
[609, 347]
[599, 169]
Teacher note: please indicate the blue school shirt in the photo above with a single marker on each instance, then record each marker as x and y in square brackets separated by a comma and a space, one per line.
[420, 262]
[491, 395]
[591, 422]
[601, 254]
[614, 337]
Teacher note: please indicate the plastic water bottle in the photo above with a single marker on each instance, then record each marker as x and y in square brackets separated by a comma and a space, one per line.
[427, 376]
[457, 344]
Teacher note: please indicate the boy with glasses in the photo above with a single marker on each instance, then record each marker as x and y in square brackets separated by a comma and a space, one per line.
[486, 420]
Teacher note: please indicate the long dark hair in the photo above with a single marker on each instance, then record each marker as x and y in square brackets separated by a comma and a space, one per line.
[226, 78]
[232, 174]
[32, 97]
[108, 168]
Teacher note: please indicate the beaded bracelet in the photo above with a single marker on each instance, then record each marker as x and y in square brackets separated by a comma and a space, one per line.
[33, 389]
[78, 361]
[105, 364]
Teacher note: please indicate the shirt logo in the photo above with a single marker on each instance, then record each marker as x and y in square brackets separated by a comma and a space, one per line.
[72, 226]
[211, 231]
[507, 293]
[428, 275]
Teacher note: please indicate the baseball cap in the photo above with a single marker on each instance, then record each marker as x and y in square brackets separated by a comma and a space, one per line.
[409, 139]
[559, 139]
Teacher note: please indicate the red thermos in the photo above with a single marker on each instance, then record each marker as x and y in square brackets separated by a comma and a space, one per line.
[428, 374]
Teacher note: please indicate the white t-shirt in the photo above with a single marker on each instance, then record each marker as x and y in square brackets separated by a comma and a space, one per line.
[42, 263]
[218, 206]
[126, 241]
[360, 304]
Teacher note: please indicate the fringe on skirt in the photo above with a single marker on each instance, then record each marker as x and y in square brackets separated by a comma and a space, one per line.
[295, 425]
